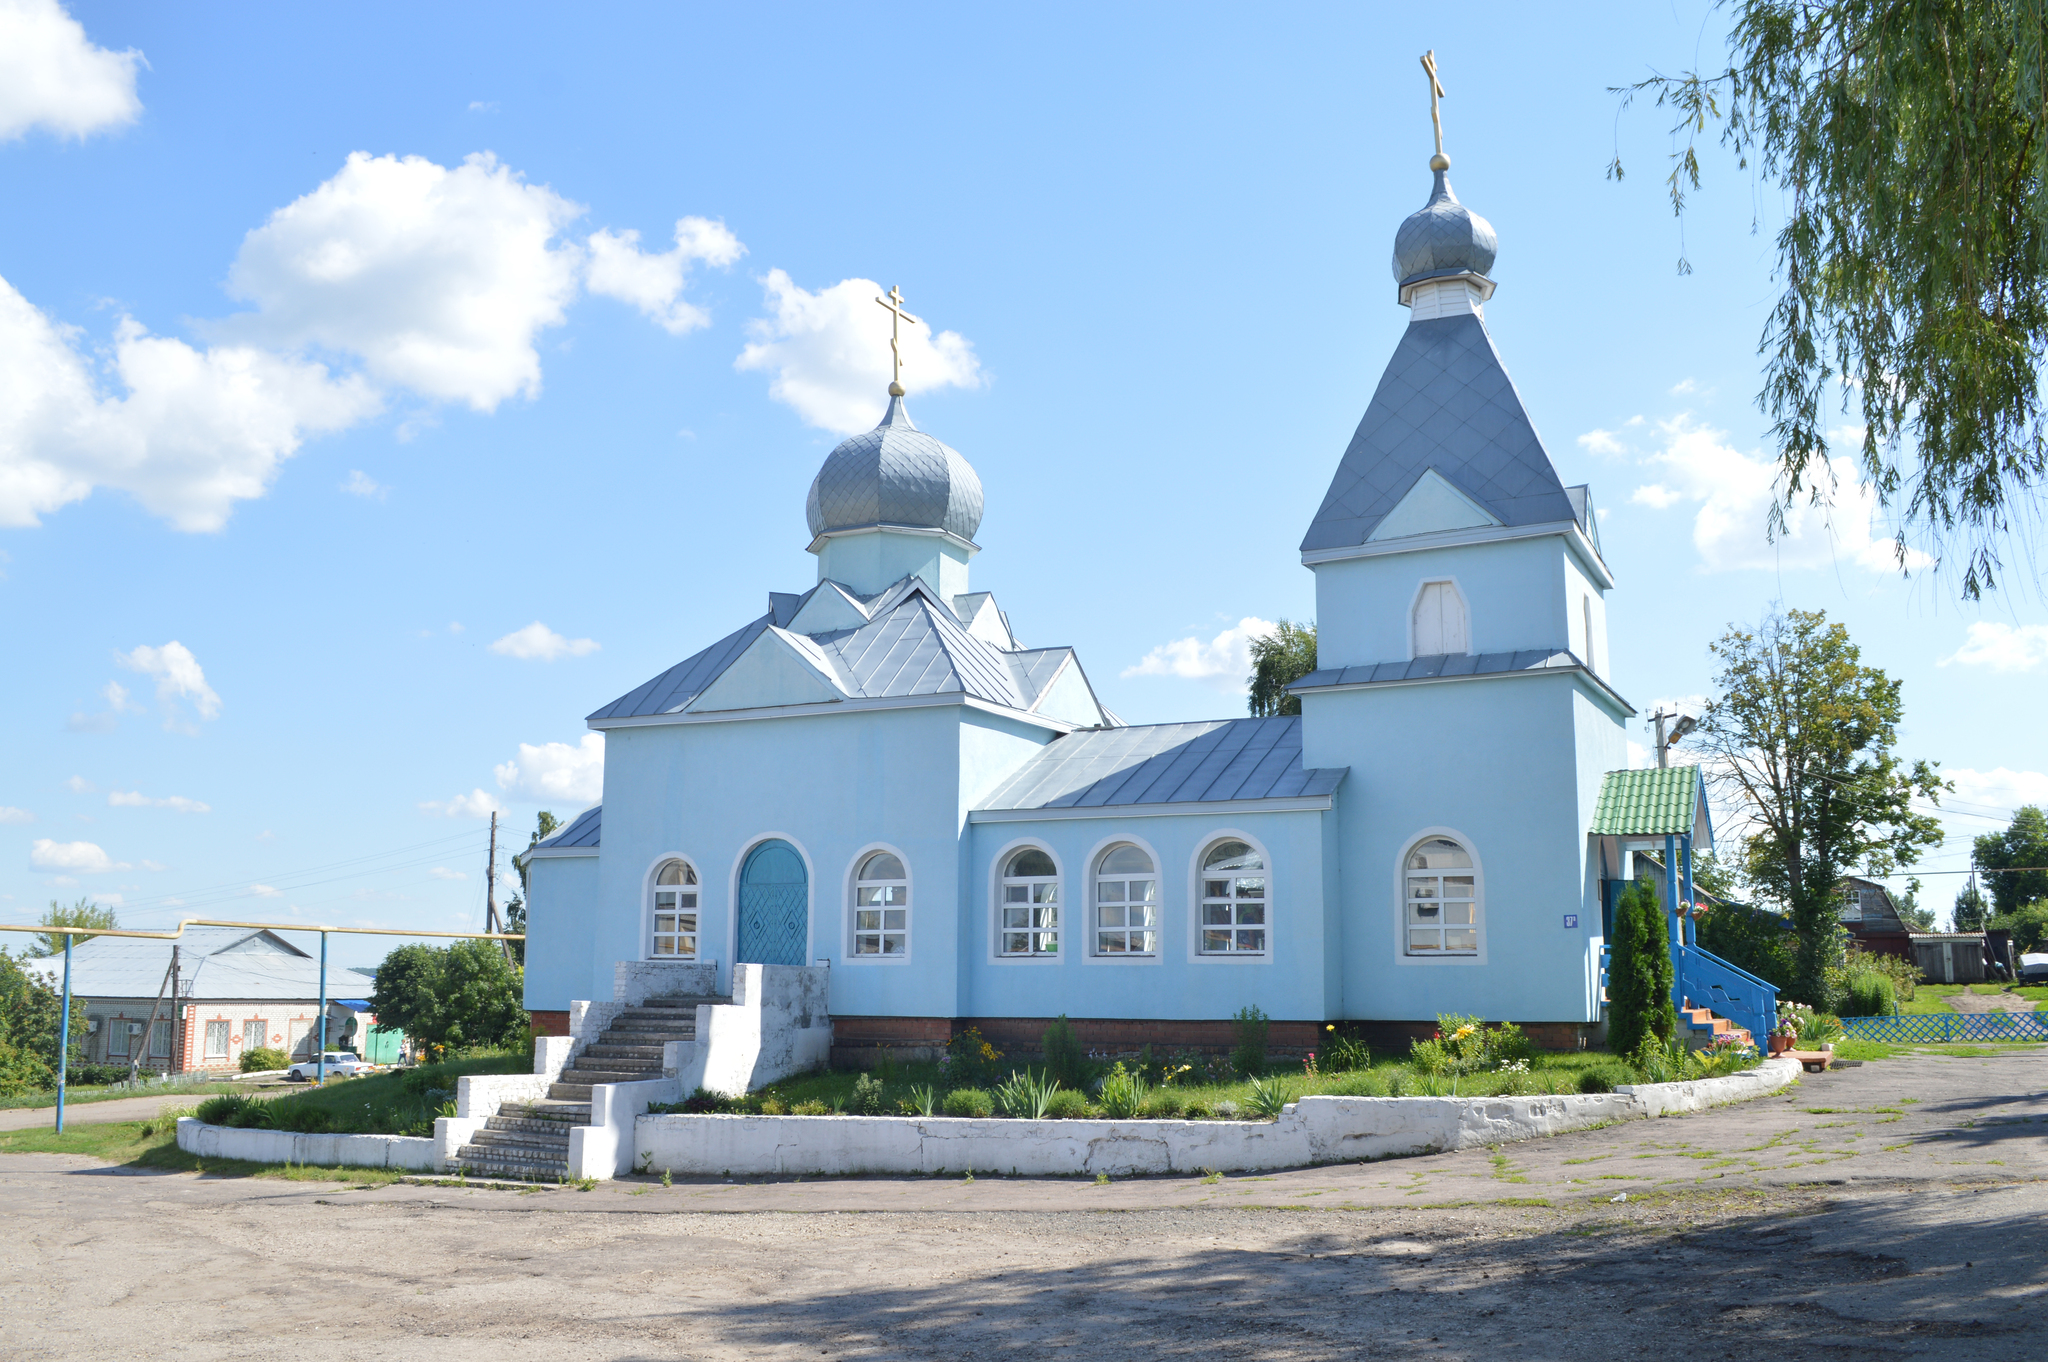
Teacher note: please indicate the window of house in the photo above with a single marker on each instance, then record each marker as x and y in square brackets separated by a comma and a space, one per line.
[160, 1041]
[1440, 621]
[1031, 904]
[881, 906]
[675, 911]
[117, 1037]
[255, 1033]
[217, 1040]
[1233, 900]
[1126, 903]
[1443, 899]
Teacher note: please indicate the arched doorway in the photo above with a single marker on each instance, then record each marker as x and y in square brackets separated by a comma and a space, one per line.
[775, 900]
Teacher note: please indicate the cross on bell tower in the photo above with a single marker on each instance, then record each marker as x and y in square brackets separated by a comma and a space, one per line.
[897, 316]
[1436, 121]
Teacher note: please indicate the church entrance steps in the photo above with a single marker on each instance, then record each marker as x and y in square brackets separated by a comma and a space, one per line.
[630, 1049]
[1703, 1024]
[526, 1140]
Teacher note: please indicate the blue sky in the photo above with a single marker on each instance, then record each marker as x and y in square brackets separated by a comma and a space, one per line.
[383, 388]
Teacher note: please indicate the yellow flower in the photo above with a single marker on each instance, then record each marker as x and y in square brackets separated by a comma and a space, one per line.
[1462, 1032]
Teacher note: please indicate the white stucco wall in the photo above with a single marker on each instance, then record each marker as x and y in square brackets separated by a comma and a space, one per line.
[320, 1151]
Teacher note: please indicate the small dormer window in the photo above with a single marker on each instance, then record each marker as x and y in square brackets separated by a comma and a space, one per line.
[1440, 624]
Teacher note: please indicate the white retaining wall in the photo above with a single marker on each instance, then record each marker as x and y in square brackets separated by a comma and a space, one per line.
[604, 1148]
[1313, 1130]
[325, 1151]
[777, 1024]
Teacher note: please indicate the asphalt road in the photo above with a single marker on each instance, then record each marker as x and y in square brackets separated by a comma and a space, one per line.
[1896, 1209]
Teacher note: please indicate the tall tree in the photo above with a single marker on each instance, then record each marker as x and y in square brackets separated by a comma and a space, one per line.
[1279, 660]
[29, 1013]
[1915, 917]
[2015, 852]
[1909, 139]
[455, 996]
[1639, 978]
[84, 913]
[1801, 737]
[1970, 911]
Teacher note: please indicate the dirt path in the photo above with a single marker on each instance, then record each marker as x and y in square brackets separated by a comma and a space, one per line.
[1990, 1002]
[1895, 1207]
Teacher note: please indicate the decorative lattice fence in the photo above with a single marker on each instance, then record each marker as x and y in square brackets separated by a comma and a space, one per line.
[1941, 1026]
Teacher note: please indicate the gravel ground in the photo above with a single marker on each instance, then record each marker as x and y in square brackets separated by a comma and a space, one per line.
[1894, 1209]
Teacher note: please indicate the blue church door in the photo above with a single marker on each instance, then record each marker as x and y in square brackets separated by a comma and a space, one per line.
[774, 906]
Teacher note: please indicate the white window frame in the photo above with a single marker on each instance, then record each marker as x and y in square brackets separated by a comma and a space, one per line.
[1097, 931]
[1438, 959]
[262, 1026]
[117, 1026]
[999, 885]
[1415, 603]
[160, 1041]
[225, 1025]
[854, 885]
[655, 889]
[1198, 896]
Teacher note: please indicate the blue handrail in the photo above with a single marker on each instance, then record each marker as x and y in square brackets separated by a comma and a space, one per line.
[1729, 990]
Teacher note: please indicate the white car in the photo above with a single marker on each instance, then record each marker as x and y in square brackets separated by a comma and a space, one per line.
[342, 1063]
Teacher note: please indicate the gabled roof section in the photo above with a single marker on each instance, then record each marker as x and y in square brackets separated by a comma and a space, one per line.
[1445, 402]
[214, 962]
[916, 646]
[582, 832]
[1214, 762]
[684, 682]
[1650, 803]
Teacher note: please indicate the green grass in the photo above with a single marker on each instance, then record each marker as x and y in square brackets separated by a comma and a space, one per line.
[1933, 999]
[83, 1096]
[153, 1144]
[384, 1104]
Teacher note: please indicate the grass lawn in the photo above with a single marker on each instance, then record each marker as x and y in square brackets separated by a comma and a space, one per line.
[75, 1096]
[385, 1104]
[1934, 998]
[153, 1144]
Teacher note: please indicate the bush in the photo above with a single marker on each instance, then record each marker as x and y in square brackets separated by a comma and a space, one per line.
[1249, 1056]
[1122, 1093]
[1871, 995]
[94, 1075]
[1752, 939]
[867, 1096]
[1066, 1063]
[1639, 978]
[1198, 1110]
[1603, 1080]
[970, 1060]
[1162, 1104]
[1068, 1104]
[262, 1057]
[969, 1102]
[235, 1109]
[810, 1107]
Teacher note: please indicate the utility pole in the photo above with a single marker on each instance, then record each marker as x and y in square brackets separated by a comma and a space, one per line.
[177, 1056]
[149, 1027]
[491, 923]
[1663, 754]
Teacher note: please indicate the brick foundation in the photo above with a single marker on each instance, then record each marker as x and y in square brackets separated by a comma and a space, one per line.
[550, 1023]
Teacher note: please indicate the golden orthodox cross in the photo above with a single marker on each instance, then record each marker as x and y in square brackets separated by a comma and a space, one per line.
[1436, 121]
[894, 302]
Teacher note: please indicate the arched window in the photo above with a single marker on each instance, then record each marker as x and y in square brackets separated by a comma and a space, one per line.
[1233, 900]
[675, 911]
[1031, 904]
[1442, 894]
[1126, 902]
[1440, 621]
[881, 906]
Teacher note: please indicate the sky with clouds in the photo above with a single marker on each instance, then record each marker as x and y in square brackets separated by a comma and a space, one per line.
[383, 389]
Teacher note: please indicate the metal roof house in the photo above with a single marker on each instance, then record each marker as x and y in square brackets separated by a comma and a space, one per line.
[877, 775]
[224, 990]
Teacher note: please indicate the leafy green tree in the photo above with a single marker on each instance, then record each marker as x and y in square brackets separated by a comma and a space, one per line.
[1909, 142]
[1639, 976]
[1801, 738]
[1969, 912]
[1916, 918]
[1279, 660]
[515, 911]
[2023, 844]
[2028, 924]
[30, 1013]
[1718, 879]
[1752, 939]
[84, 913]
[457, 996]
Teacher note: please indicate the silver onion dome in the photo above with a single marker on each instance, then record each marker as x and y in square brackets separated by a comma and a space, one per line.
[1443, 237]
[897, 475]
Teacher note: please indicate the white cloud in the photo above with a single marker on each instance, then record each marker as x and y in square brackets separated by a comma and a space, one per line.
[1602, 442]
[192, 432]
[265, 891]
[361, 484]
[1655, 495]
[2001, 788]
[84, 857]
[135, 799]
[442, 872]
[2002, 647]
[556, 771]
[13, 815]
[654, 283]
[829, 353]
[51, 75]
[475, 804]
[538, 643]
[1734, 491]
[1684, 385]
[80, 785]
[1226, 657]
[438, 278]
[178, 677]
[117, 698]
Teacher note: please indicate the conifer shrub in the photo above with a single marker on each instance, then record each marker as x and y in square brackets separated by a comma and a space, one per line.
[1249, 1055]
[971, 1102]
[1639, 978]
[867, 1097]
[1066, 1063]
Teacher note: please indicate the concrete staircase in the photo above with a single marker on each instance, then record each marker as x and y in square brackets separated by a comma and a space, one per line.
[527, 1141]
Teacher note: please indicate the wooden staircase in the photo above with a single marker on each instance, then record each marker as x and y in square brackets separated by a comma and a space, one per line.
[1702, 1021]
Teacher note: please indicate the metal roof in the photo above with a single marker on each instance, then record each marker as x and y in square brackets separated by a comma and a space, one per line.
[1216, 761]
[895, 474]
[1647, 803]
[1443, 237]
[214, 962]
[1441, 664]
[581, 831]
[912, 644]
[1444, 402]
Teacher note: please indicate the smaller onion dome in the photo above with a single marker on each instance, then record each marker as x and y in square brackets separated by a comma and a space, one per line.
[896, 475]
[1443, 237]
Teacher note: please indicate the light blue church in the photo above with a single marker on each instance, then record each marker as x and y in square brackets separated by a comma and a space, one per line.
[877, 773]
